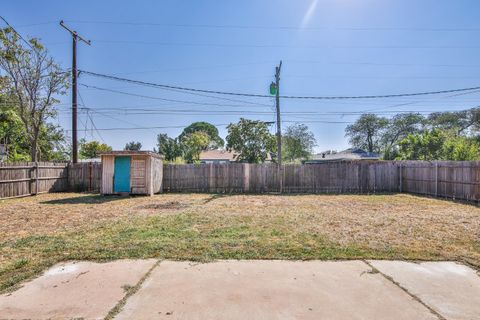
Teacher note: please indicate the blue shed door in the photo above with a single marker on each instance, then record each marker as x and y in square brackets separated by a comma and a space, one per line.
[122, 174]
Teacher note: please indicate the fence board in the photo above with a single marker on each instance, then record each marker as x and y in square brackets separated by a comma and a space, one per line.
[27, 178]
[446, 179]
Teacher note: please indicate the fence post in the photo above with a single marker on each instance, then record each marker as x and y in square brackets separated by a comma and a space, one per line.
[90, 169]
[436, 179]
[210, 178]
[246, 177]
[36, 177]
[400, 177]
[69, 187]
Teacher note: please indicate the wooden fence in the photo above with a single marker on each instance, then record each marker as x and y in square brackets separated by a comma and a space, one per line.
[85, 176]
[338, 177]
[29, 178]
[446, 179]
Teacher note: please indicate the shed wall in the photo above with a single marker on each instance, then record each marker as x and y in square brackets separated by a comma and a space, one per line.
[108, 168]
[157, 175]
[140, 169]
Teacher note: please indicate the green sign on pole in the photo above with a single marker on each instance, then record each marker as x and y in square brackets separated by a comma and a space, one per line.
[273, 89]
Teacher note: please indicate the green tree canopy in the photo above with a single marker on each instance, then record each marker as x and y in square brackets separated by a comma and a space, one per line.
[168, 147]
[193, 144]
[215, 140]
[251, 139]
[133, 146]
[367, 132]
[460, 122]
[298, 142]
[398, 128]
[439, 145]
[91, 149]
[35, 80]
[51, 140]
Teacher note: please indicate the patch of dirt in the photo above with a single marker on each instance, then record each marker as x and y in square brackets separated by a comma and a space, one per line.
[170, 205]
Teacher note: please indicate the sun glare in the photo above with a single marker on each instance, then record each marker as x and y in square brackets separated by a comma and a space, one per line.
[309, 13]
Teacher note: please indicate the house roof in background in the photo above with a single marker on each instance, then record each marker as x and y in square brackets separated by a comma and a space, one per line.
[218, 155]
[348, 154]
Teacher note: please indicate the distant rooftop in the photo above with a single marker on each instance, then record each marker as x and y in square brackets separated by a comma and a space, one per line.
[348, 154]
[223, 155]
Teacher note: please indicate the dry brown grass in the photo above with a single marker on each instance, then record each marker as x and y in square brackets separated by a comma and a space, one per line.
[59, 212]
[38, 231]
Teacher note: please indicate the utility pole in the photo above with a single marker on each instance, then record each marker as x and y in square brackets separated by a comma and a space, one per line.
[75, 38]
[279, 125]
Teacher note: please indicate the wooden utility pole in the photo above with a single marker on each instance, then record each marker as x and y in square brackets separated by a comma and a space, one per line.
[75, 38]
[279, 125]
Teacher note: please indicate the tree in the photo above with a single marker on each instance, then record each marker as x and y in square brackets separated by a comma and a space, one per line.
[461, 149]
[91, 150]
[168, 147]
[424, 146]
[133, 146]
[399, 127]
[460, 122]
[12, 133]
[367, 132]
[251, 139]
[215, 140]
[51, 140]
[35, 81]
[439, 144]
[298, 142]
[51, 144]
[193, 144]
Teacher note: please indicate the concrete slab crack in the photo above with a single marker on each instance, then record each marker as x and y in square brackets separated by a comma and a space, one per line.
[375, 270]
[130, 292]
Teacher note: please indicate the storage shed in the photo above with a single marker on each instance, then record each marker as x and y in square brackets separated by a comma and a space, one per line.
[132, 172]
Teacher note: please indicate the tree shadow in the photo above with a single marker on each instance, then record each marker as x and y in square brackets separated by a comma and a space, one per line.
[87, 199]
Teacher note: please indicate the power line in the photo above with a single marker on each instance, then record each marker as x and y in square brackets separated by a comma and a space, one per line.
[18, 34]
[385, 64]
[225, 26]
[286, 46]
[195, 68]
[150, 84]
[218, 125]
[163, 99]
[91, 118]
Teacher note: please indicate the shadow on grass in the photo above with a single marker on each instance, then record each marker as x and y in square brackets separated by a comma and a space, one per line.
[86, 199]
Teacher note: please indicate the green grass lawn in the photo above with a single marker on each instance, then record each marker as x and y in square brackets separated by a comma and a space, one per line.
[41, 231]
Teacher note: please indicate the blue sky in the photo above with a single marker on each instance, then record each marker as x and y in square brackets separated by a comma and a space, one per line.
[328, 47]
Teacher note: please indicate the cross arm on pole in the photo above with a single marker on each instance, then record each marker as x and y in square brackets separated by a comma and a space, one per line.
[74, 33]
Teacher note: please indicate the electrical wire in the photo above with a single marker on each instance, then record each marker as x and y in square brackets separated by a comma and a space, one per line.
[224, 26]
[150, 84]
[217, 125]
[18, 34]
[163, 99]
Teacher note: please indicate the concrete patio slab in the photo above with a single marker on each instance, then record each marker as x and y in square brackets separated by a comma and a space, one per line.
[74, 290]
[451, 289]
[270, 290]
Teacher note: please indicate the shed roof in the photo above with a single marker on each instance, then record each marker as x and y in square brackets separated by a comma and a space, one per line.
[132, 153]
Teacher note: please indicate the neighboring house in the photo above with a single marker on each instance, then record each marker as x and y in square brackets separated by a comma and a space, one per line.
[349, 154]
[217, 156]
